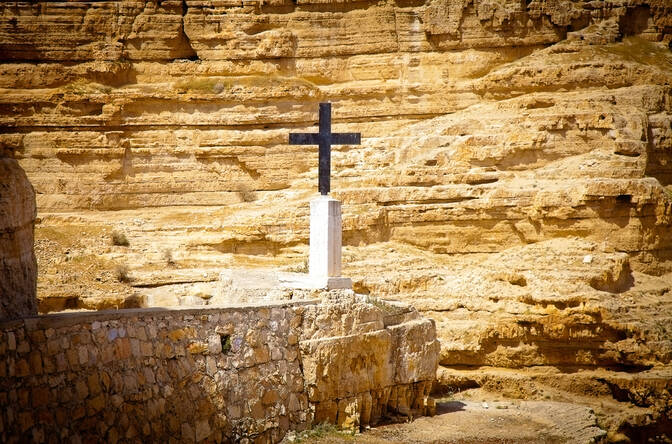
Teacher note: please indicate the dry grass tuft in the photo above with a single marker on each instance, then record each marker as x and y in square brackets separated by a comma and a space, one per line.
[119, 239]
[122, 273]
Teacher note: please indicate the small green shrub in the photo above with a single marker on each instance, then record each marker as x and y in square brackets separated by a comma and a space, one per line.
[246, 193]
[322, 430]
[226, 343]
[299, 268]
[119, 239]
[386, 307]
[168, 257]
[121, 272]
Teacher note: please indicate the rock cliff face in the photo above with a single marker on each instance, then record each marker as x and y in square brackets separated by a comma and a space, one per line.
[18, 267]
[514, 180]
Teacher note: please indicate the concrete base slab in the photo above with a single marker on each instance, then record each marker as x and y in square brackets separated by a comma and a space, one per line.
[268, 279]
[249, 278]
[308, 282]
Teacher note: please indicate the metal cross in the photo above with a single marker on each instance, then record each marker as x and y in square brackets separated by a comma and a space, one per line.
[325, 138]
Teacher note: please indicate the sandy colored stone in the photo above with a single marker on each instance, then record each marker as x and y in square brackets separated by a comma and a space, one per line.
[202, 430]
[336, 368]
[201, 395]
[415, 349]
[503, 142]
[197, 347]
[18, 267]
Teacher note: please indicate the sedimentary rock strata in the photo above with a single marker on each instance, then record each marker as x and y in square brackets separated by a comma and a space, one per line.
[503, 143]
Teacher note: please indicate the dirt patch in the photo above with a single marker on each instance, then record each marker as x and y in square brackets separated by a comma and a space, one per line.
[471, 422]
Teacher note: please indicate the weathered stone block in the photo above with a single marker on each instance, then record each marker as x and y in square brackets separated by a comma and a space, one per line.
[197, 347]
[22, 368]
[270, 397]
[35, 360]
[214, 344]
[325, 412]
[23, 347]
[335, 368]
[416, 351]
[40, 397]
[11, 340]
[94, 384]
[348, 413]
[202, 430]
[18, 266]
[96, 404]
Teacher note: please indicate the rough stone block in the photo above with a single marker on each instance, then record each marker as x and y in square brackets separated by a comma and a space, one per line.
[202, 430]
[335, 368]
[18, 266]
[348, 413]
[416, 351]
[325, 412]
[366, 407]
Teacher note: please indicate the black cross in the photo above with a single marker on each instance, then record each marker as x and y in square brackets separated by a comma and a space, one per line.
[325, 138]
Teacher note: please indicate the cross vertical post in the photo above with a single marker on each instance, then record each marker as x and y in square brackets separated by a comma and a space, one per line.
[325, 212]
[324, 169]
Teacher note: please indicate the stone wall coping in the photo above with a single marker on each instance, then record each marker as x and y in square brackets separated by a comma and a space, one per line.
[55, 320]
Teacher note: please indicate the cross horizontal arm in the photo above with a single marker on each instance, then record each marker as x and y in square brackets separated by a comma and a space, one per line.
[324, 139]
[346, 138]
[304, 139]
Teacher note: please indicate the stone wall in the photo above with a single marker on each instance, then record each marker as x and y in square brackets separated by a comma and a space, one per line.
[243, 374]
[18, 267]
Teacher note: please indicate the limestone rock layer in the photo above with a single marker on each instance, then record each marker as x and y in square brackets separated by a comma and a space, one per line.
[514, 178]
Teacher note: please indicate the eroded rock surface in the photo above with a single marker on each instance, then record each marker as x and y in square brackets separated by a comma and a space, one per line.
[18, 267]
[514, 180]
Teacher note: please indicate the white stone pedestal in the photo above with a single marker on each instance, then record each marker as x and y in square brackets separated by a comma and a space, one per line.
[325, 238]
[324, 263]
